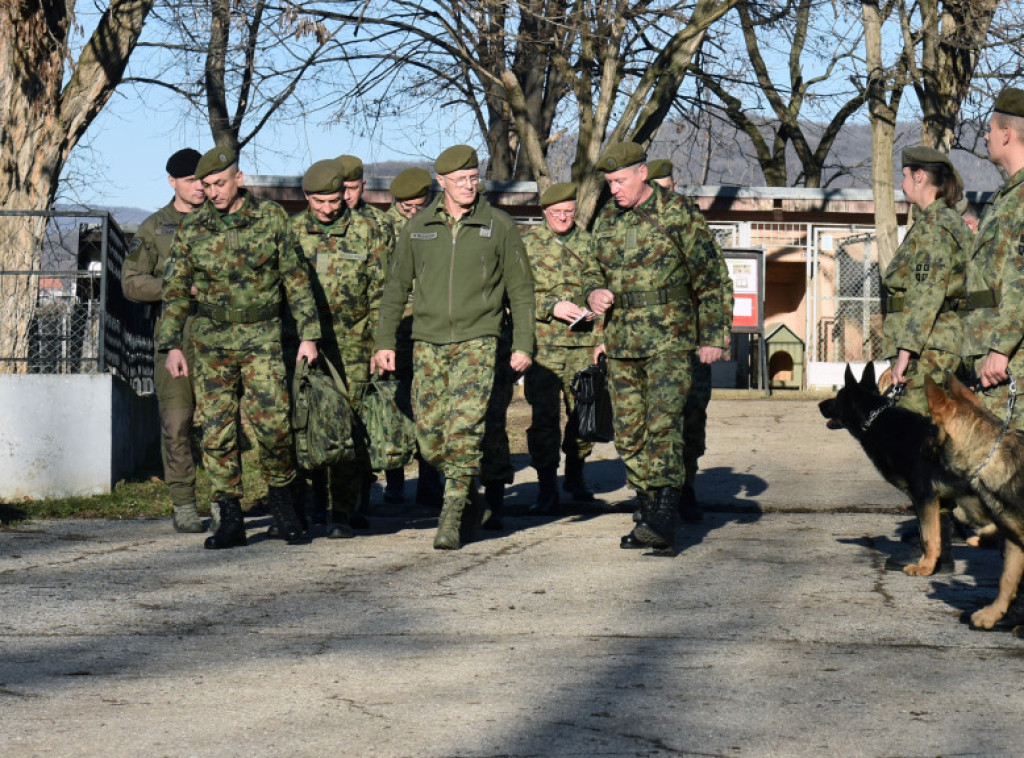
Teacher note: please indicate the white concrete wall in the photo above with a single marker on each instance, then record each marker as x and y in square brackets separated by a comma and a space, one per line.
[64, 435]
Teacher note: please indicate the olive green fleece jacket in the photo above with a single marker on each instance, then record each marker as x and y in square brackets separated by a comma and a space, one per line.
[463, 271]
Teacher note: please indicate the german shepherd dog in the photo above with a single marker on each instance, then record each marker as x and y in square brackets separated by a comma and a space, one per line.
[974, 445]
[903, 446]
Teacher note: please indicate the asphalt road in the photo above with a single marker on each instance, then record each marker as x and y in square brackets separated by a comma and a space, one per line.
[776, 631]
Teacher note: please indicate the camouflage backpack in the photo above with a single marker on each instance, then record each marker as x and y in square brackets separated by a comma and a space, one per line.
[392, 434]
[321, 417]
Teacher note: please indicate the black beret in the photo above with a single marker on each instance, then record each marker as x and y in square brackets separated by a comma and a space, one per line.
[351, 168]
[927, 157]
[323, 178]
[214, 161]
[620, 155]
[183, 163]
[558, 193]
[456, 158]
[659, 168]
[411, 184]
[1011, 102]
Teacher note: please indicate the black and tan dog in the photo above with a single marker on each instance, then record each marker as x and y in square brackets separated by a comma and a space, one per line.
[975, 445]
[903, 447]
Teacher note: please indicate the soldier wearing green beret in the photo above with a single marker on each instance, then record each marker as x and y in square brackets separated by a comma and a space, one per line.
[466, 258]
[659, 171]
[371, 223]
[924, 284]
[345, 263]
[995, 283]
[235, 255]
[655, 272]
[142, 282]
[565, 345]
[411, 191]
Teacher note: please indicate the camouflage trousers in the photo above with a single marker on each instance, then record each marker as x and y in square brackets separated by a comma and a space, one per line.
[495, 456]
[177, 402]
[546, 386]
[451, 388]
[695, 416]
[648, 396]
[938, 364]
[261, 376]
[996, 399]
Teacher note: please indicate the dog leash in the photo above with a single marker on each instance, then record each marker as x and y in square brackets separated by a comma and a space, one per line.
[893, 394]
[1010, 402]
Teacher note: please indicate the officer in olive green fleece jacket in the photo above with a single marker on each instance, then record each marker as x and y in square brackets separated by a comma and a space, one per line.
[654, 271]
[924, 282]
[237, 254]
[465, 258]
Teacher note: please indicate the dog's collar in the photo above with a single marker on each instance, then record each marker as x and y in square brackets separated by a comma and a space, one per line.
[891, 396]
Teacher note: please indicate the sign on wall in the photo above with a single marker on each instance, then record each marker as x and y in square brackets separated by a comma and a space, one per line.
[746, 269]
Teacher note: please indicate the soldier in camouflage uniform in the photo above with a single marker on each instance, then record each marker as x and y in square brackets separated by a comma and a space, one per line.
[695, 412]
[466, 257]
[411, 193]
[565, 345]
[995, 272]
[235, 254]
[344, 257]
[654, 271]
[142, 282]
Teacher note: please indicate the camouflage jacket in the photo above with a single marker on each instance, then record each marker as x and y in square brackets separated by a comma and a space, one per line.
[925, 281]
[237, 262]
[634, 259]
[345, 260]
[463, 270]
[557, 263]
[370, 220]
[995, 275]
[142, 278]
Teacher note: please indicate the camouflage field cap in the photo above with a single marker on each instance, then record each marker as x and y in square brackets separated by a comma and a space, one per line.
[620, 155]
[410, 184]
[926, 157]
[558, 193]
[351, 168]
[659, 168]
[456, 158]
[323, 178]
[1011, 102]
[183, 163]
[214, 161]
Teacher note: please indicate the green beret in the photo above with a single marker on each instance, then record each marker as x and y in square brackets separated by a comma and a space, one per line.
[456, 159]
[1011, 102]
[620, 155]
[558, 193]
[659, 168]
[323, 178]
[214, 161]
[411, 183]
[927, 157]
[351, 168]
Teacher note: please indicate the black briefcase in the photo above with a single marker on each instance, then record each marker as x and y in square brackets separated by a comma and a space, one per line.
[593, 402]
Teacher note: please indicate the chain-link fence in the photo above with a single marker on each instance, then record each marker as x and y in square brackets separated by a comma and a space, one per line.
[65, 311]
[847, 285]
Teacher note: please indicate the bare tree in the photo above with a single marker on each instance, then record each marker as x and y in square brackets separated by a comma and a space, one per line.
[49, 95]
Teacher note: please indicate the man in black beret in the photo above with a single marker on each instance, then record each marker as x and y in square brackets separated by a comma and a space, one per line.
[142, 280]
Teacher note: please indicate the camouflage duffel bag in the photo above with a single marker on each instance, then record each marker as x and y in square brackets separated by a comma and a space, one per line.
[392, 434]
[322, 417]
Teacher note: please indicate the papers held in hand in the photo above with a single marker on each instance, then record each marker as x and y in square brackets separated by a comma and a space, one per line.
[581, 317]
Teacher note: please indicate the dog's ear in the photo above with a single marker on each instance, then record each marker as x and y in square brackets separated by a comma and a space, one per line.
[939, 404]
[867, 379]
[850, 379]
[958, 390]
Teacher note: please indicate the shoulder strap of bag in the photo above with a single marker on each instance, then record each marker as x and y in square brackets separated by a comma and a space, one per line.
[336, 376]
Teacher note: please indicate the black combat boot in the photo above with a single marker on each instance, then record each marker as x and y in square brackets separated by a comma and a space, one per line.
[429, 485]
[547, 495]
[231, 530]
[629, 541]
[657, 527]
[357, 514]
[345, 494]
[282, 507]
[690, 510]
[573, 482]
[494, 497]
[394, 489]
